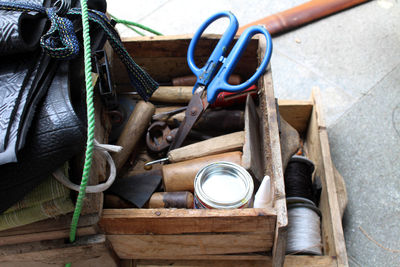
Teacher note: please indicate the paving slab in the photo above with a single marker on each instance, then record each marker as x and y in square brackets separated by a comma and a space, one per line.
[365, 149]
[352, 50]
[184, 17]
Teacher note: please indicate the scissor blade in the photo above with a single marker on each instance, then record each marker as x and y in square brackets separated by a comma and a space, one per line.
[192, 114]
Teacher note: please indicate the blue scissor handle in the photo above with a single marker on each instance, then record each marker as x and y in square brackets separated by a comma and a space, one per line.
[220, 82]
[206, 73]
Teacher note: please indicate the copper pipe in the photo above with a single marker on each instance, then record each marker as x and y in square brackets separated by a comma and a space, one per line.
[302, 14]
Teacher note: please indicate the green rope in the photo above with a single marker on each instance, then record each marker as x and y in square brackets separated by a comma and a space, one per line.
[90, 113]
[133, 29]
[91, 122]
[90, 119]
[128, 23]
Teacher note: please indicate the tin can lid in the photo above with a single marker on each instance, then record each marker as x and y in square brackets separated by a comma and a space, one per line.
[223, 185]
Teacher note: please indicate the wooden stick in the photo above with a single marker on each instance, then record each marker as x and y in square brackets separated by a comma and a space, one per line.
[302, 14]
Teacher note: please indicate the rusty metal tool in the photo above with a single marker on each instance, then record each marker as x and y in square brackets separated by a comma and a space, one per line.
[159, 136]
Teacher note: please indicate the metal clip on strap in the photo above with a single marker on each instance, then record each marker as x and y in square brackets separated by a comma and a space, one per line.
[106, 88]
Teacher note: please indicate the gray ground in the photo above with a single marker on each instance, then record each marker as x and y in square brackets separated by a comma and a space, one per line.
[354, 57]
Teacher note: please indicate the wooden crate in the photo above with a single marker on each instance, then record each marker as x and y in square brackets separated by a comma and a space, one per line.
[44, 242]
[247, 237]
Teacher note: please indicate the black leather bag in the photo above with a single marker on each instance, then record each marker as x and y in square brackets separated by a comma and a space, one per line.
[42, 106]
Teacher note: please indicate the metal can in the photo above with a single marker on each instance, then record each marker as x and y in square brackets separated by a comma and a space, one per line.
[222, 185]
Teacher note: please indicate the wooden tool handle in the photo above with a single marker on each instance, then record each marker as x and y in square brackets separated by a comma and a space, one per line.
[133, 131]
[302, 14]
[178, 200]
[190, 80]
[173, 94]
[212, 146]
[180, 176]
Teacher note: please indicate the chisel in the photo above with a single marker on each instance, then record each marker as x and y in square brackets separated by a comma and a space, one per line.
[212, 146]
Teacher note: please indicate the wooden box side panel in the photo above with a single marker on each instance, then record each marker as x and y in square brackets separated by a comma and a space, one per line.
[165, 58]
[273, 160]
[240, 261]
[187, 221]
[317, 147]
[187, 234]
[297, 113]
[188, 246]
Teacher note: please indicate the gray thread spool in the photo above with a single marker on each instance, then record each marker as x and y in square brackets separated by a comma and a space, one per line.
[304, 231]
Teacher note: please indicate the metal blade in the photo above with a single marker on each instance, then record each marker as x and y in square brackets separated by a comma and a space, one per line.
[168, 113]
[193, 112]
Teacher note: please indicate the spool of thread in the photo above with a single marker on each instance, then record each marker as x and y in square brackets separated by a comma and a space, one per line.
[304, 227]
[304, 230]
[298, 178]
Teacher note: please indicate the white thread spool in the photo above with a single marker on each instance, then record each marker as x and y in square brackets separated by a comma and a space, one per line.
[304, 230]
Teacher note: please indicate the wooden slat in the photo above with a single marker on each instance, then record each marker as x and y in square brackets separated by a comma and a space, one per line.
[256, 256]
[252, 159]
[317, 147]
[273, 161]
[204, 263]
[310, 261]
[163, 69]
[58, 223]
[296, 112]
[177, 46]
[31, 237]
[179, 221]
[290, 261]
[188, 246]
[341, 191]
[55, 251]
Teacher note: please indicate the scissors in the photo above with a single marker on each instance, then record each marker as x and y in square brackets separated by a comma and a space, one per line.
[213, 77]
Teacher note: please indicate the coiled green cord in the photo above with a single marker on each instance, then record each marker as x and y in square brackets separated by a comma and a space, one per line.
[128, 23]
